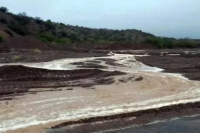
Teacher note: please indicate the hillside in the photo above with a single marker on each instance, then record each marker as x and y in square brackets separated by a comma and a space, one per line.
[14, 28]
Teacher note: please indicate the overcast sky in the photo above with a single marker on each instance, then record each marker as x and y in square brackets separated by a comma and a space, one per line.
[171, 18]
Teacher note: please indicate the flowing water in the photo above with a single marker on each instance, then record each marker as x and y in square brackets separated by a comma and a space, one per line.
[157, 89]
[176, 125]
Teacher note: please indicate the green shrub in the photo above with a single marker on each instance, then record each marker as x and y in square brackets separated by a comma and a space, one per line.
[17, 58]
[38, 20]
[154, 41]
[3, 9]
[22, 14]
[53, 39]
[62, 24]
[37, 51]
[22, 19]
[74, 38]
[46, 37]
[49, 25]
[186, 44]
[167, 42]
[163, 42]
[62, 34]
[18, 29]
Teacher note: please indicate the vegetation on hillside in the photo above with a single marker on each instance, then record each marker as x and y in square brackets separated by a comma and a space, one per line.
[3, 9]
[163, 42]
[62, 35]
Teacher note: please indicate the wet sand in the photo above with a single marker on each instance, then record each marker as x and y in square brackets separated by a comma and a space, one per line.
[19, 79]
[186, 62]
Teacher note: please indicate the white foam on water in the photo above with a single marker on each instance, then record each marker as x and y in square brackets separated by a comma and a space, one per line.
[192, 95]
[180, 76]
[128, 62]
[65, 64]
[90, 111]
[174, 54]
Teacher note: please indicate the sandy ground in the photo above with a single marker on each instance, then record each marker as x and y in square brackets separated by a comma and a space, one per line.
[142, 88]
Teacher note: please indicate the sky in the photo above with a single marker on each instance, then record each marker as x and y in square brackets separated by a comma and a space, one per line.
[170, 18]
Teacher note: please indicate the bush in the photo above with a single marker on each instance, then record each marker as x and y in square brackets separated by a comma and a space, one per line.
[153, 41]
[171, 42]
[62, 34]
[186, 44]
[37, 51]
[22, 19]
[167, 42]
[62, 24]
[74, 37]
[16, 58]
[52, 39]
[3, 9]
[38, 20]
[49, 25]
[18, 29]
[22, 14]
[62, 40]
[161, 42]
[46, 37]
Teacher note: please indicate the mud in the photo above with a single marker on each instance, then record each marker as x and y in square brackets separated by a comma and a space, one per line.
[42, 56]
[111, 62]
[185, 62]
[18, 79]
[172, 61]
[89, 64]
[119, 46]
[89, 100]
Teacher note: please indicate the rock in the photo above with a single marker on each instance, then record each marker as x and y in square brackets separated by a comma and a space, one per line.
[139, 78]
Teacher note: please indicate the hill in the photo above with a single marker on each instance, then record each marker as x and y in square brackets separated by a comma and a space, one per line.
[14, 28]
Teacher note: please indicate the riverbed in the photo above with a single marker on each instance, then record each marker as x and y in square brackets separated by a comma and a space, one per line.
[141, 88]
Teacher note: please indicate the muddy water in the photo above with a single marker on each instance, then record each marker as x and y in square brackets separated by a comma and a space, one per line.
[46, 108]
[128, 63]
[175, 125]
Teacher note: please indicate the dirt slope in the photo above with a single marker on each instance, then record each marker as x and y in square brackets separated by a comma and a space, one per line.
[27, 42]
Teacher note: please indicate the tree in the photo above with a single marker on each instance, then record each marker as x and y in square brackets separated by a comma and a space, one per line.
[38, 20]
[18, 29]
[23, 19]
[22, 14]
[48, 21]
[49, 25]
[74, 37]
[3, 9]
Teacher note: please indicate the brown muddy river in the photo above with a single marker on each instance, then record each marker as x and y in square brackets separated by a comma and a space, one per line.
[44, 109]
